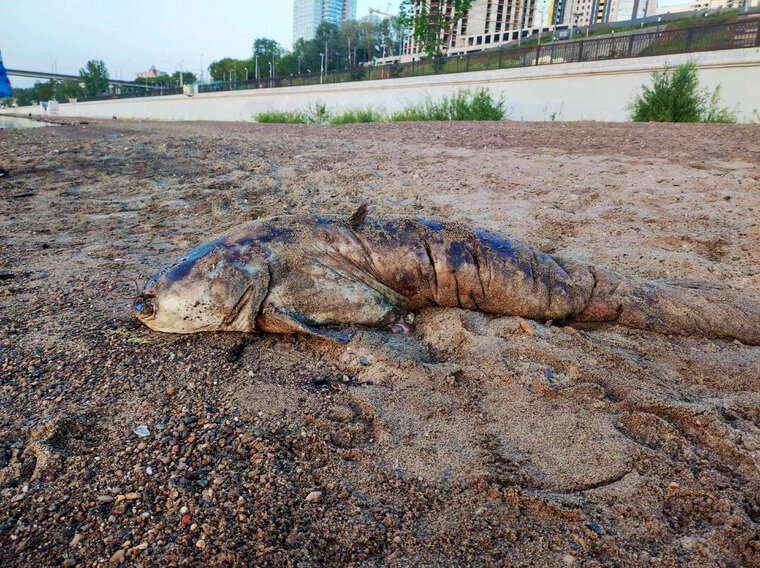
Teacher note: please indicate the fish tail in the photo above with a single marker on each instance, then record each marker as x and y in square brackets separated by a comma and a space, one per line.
[673, 308]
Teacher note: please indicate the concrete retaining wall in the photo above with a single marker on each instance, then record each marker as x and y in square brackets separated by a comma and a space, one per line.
[599, 90]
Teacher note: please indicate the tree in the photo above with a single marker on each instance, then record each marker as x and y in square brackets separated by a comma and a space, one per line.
[70, 90]
[266, 48]
[428, 23]
[287, 65]
[187, 78]
[229, 69]
[675, 97]
[95, 78]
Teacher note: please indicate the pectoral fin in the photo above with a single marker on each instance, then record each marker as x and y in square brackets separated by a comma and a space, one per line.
[284, 321]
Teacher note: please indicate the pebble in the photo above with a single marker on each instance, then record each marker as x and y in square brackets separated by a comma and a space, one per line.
[314, 497]
[183, 510]
[526, 327]
[141, 430]
[170, 391]
[76, 540]
[118, 557]
[200, 543]
[68, 563]
[596, 528]
[132, 496]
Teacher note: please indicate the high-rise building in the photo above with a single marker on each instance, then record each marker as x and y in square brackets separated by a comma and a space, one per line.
[492, 22]
[308, 14]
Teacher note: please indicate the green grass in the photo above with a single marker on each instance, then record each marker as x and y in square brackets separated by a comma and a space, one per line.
[316, 114]
[359, 115]
[463, 105]
[282, 116]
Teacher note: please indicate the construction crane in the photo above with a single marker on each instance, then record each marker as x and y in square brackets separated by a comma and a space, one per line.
[386, 14]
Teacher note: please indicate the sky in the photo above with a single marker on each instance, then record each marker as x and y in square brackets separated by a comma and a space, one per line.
[131, 36]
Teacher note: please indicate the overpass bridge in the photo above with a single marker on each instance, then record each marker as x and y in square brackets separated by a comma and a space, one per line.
[63, 77]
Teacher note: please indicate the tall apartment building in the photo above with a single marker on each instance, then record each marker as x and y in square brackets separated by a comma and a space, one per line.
[491, 22]
[308, 14]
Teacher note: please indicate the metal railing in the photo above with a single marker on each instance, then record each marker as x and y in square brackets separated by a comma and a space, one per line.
[633, 44]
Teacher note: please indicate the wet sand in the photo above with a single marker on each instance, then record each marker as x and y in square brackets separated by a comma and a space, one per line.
[479, 440]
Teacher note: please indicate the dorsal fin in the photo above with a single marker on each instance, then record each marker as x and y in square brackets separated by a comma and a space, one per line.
[358, 217]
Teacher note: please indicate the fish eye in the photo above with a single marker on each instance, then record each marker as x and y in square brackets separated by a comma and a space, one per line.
[144, 305]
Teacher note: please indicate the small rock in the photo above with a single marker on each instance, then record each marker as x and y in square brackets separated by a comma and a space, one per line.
[364, 360]
[68, 563]
[76, 540]
[149, 470]
[568, 559]
[141, 430]
[185, 520]
[132, 496]
[183, 510]
[200, 543]
[314, 497]
[170, 391]
[595, 528]
[526, 327]
[118, 558]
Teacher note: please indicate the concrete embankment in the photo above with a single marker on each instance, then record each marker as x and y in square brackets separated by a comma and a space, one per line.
[596, 90]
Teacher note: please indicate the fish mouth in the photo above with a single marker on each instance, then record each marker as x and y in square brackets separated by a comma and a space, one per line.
[144, 306]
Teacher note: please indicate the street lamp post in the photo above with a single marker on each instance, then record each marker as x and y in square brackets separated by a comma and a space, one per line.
[181, 74]
[256, 73]
[201, 68]
[321, 67]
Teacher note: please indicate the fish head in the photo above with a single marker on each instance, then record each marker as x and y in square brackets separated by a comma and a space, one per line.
[214, 287]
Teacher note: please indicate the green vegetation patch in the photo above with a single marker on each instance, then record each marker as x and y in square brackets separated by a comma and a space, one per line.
[282, 116]
[360, 115]
[464, 105]
[675, 96]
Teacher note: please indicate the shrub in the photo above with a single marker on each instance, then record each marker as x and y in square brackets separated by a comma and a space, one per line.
[464, 105]
[675, 97]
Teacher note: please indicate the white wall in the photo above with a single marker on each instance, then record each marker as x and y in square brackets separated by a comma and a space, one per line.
[599, 90]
